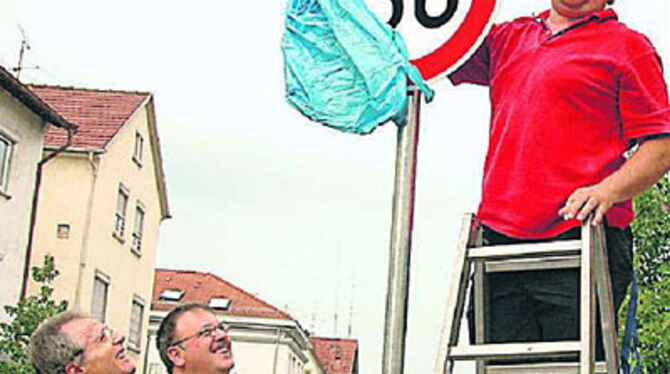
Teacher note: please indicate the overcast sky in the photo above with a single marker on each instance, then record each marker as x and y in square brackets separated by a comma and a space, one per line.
[294, 212]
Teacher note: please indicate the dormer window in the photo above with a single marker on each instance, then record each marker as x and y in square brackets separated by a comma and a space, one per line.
[172, 296]
[219, 303]
[337, 352]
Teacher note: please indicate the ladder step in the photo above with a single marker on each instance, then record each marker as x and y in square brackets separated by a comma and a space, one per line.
[514, 350]
[508, 251]
[549, 368]
[527, 264]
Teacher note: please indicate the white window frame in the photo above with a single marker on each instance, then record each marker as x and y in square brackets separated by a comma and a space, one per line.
[171, 295]
[120, 217]
[138, 149]
[136, 245]
[220, 303]
[6, 166]
[104, 279]
[135, 342]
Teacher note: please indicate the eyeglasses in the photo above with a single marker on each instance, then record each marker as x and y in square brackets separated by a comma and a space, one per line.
[204, 332]
[105, 333]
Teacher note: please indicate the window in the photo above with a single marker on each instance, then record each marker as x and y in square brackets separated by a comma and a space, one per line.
[219, 303]
[171, 295]
[6, 146]
[139, 146]
[63, 231]
[120, 216]
[99, 303]
[136, 313]
[137, 230]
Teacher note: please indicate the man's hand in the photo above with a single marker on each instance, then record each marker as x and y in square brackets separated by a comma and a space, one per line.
[641, 170]
[586, 200]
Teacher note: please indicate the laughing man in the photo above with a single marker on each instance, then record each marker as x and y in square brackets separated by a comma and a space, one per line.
[74, 343]
[191, 340]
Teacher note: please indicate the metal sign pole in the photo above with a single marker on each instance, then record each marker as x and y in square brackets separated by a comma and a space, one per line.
[401, 239]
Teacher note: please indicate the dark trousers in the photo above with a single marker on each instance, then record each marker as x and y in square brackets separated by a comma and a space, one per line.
[529, 306]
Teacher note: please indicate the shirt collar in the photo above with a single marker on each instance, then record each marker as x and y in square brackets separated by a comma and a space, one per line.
[601, 15]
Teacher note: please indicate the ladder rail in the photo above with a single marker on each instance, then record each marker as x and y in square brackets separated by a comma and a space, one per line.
[587, 301]
[481, 310]
[456, 297]
[605, 300]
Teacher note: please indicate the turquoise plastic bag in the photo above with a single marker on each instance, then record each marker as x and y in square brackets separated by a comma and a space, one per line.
[344, 68]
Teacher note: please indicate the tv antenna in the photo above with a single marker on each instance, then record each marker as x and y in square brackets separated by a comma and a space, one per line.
[25, 46]
[351, 305]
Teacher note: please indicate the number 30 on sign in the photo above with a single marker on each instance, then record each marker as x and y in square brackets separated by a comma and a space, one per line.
[439, 33]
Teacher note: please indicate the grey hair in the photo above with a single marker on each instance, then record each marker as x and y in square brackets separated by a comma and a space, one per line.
[165, 334]
[50, 349]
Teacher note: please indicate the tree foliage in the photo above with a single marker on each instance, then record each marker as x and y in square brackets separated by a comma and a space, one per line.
[24, 318]
[652, 251]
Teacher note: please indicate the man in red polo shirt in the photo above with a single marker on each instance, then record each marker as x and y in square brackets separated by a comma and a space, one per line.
[572, 90]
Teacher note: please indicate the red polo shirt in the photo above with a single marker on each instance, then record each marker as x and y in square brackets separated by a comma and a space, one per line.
[564, 109]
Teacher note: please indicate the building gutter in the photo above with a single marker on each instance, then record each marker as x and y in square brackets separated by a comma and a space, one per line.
[275, 360]
[33, 209]
[83, 255]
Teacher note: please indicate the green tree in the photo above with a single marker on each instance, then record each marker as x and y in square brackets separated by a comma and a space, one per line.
[652, 251]
[24, 319]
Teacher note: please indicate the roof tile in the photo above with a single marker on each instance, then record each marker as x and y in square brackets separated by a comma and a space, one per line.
[98, 113]
[336, 356]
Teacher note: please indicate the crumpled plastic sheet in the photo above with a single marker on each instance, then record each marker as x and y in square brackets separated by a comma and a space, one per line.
[345, 68]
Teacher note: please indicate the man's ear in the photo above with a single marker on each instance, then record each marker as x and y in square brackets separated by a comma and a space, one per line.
[175, 355]
[72, 368]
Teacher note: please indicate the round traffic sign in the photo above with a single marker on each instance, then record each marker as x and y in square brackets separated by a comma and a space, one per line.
[439, 33]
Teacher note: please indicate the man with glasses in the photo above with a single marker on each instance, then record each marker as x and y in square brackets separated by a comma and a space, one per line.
[191, 340]
[74, 343]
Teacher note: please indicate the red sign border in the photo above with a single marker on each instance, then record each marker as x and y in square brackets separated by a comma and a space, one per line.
[437, 63]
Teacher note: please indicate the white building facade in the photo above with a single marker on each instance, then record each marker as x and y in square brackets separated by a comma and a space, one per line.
[24, 120]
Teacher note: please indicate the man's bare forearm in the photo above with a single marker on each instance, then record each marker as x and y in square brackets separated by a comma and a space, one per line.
[644, 168]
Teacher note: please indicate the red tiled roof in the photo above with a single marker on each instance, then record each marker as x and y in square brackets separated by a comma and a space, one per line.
[336, 356]
[202, 287]
[99, 114]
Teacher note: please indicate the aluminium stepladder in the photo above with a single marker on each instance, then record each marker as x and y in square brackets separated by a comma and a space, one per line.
[588, 253]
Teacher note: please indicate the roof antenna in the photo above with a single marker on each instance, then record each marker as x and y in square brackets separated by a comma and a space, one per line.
[24, 47]
[337, 286]
[313, 324]
[351, 304]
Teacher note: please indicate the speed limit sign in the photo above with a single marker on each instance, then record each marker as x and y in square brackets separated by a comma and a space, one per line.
[438, 33]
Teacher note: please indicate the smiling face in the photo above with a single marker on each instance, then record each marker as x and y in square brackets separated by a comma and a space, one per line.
[576, 8]
[103, 353]
[202, 353]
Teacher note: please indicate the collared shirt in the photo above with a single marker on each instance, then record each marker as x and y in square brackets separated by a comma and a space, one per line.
[564, 109]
